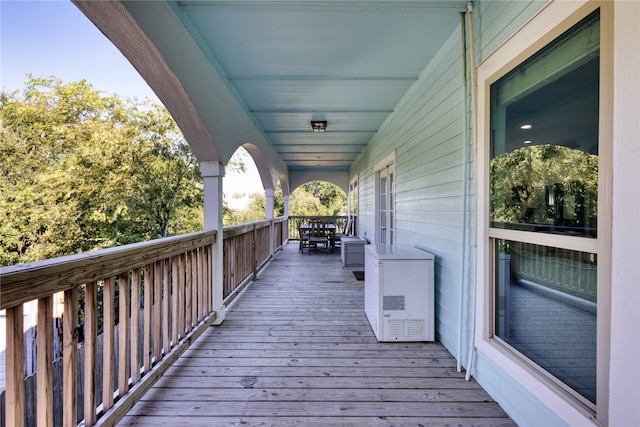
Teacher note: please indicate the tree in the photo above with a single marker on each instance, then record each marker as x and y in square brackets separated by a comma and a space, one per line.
[81, 170]
[331, 200]
[315, 198]
[169, 177]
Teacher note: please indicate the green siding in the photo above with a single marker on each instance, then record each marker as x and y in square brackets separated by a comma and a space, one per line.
[427, 132]
[496, 21]
[521, 405]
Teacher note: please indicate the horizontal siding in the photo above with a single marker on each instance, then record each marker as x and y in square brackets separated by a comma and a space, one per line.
[496, 21]
[512, 395]
[426, 131]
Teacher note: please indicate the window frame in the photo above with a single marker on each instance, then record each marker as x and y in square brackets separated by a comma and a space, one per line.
[384, 166]
[550, 23]
[353, 197]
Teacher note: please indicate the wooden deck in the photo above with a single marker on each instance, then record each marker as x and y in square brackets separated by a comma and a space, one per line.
[296, 349]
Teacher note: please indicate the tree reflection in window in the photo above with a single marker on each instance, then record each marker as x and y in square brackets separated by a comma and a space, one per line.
[545, 188]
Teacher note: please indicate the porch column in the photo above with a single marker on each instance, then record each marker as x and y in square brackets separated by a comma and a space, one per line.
[269, 205]
[286, 205]
[212, 173]
[269, 196]
[285, 213]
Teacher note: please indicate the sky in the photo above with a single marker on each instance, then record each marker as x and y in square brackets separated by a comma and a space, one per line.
[53, 38]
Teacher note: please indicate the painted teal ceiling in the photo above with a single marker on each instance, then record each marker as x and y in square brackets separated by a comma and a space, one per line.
[257, 72]
[346, 62]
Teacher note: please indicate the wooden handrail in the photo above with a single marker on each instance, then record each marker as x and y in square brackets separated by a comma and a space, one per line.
[27, 282]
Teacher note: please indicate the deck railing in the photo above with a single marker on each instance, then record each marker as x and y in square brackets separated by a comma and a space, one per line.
[247, 247]
[156, 300]
[339, 220]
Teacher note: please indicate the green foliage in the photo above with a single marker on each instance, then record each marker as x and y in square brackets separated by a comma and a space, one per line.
[318, 198]
[81, 170]
[314, 198]
[545, 184]
[237, 163]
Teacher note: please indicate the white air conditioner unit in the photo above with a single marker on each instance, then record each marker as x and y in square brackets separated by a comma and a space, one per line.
[399, 292]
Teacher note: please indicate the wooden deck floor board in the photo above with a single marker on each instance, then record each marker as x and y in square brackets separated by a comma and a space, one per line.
[321, 409]
[311, 361]
[318, 395]
[296, 349]
[278, 421]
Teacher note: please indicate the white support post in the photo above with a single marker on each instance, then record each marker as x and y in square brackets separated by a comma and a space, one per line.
[269, 196]
[212, 173]
[269, 205]
[286, 214]
[286, 206]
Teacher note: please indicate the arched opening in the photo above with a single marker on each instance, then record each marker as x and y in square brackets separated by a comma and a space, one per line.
[244, 196]
[318, 198]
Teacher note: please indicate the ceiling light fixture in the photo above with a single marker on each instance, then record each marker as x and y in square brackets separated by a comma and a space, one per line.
[527, 141]
[526, 126]
[318, 126]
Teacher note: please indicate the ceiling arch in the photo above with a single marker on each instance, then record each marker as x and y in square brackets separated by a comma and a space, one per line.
[243, 72]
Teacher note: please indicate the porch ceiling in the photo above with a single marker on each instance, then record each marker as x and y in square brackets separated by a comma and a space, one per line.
[289, 62]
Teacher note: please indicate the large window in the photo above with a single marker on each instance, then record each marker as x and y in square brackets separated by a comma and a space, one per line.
[543, 208]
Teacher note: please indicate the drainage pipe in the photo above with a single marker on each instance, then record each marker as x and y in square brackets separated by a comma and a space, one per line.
[474, 137]
[465, 177]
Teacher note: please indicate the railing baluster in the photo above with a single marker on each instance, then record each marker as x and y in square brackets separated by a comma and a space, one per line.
[201, 294]
[44, 361]
[194, 288]
[70, 358]
[166, 298]
[189, 282]
[175, 302]
[148, 293]
[157, 312]
[181, 295]
[108, 343]
[209, 290]
[135, 326]
[124, 356]
[15, 367]
[254, 252]
[90, 352]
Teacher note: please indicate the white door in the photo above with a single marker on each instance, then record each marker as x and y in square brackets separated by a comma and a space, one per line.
[386, 201]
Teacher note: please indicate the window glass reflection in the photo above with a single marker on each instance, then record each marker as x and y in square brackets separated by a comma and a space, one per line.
[546, 309]
[544, 139]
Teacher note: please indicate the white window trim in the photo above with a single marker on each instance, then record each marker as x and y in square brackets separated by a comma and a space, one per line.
[553, 20]
[386, 161]
[353, 183]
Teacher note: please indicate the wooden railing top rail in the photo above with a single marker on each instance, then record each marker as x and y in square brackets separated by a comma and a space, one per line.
[325, 217]
[236, 230]
[26, 282]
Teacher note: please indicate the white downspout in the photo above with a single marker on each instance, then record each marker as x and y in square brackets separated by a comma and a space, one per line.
[465, 177]
[474, 113]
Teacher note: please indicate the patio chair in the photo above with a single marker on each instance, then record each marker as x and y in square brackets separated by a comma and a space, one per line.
[318, 235]
[346, 231]
[304, 237]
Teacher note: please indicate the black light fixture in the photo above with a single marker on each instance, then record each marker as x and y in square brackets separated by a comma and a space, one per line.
[318, 126]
